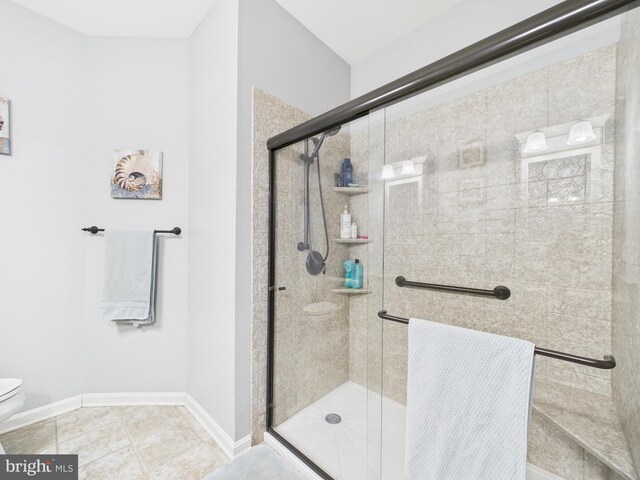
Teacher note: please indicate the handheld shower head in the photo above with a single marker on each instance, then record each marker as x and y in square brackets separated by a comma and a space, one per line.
[316, 262]
[319, 141]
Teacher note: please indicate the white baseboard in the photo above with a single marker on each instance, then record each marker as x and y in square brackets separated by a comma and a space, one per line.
[45, 412]
[51, 410]
[229, 447]
[132, 399]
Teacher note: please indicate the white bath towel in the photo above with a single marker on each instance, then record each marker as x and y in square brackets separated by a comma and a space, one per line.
[468, 404]
[128, 293]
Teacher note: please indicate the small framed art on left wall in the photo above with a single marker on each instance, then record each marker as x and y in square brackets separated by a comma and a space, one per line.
[5, 127]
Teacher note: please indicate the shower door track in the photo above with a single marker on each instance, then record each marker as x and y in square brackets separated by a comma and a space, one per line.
[553, 23]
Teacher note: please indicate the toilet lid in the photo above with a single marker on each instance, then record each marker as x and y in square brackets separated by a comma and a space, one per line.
[8, 385]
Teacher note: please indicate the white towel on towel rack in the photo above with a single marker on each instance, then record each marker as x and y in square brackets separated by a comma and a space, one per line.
[468, 404]
[128, 293]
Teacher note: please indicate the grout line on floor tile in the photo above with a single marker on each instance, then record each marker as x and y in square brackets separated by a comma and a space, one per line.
[185, 417]
[110, 424]
[135, 451]
[181, 452]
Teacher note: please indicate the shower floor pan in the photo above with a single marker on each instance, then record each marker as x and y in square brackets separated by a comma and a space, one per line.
[358, 446]
[351, 449]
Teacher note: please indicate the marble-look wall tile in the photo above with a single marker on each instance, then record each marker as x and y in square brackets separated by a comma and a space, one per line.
[544, 228]
[270, 116]
[626, 239]
[541, 226]
[311, 352]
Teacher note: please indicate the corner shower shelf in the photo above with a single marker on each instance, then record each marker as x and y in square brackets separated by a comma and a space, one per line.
[351, 190]
[352, 241]
[351, 291]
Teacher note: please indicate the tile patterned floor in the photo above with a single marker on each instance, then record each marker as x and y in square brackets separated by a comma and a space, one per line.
[127, 443]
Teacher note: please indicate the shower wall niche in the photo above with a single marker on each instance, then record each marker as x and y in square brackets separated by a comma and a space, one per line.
[516, 175]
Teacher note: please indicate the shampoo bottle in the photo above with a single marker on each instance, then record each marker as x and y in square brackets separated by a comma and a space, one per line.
[349, 270]
[347, 172]
[357, 275]
[345, 224]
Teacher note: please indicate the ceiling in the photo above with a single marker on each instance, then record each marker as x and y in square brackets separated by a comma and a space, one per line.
[125, 18]
[355, 29]
[352, 28]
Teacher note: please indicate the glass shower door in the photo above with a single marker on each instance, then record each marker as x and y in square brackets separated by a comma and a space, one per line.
[327, 358]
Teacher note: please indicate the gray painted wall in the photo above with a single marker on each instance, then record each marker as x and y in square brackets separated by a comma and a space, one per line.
[70, 108]
[211, 235]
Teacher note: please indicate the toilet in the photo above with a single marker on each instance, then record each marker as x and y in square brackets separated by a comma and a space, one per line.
[11, 399]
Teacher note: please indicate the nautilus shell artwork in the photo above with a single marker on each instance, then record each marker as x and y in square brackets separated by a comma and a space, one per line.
[5, 141]
[136, 174]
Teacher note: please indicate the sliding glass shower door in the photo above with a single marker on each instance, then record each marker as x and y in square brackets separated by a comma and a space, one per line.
[519, 175]
[327, 351]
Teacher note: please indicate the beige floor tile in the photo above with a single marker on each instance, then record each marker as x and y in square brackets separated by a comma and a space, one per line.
[121, 465]
[197, 426]
[142, 421]
[169, 440]
[194, 464]
[164, 444]
[97, 443]
[37, 438]
[84, 420]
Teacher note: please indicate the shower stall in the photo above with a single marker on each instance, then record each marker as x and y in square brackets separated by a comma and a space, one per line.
[497, 190]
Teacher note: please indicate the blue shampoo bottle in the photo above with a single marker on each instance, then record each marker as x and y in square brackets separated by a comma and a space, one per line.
[347, 172]
[349, 270]
[358, 274]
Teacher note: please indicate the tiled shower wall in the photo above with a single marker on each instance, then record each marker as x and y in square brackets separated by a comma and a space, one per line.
[626, 244]
[540, 225]
[311, 352]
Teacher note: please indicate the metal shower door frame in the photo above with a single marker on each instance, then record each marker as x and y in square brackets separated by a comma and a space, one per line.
[551, 24]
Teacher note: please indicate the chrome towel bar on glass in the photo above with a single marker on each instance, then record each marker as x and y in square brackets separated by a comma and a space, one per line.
[500, 292]
[608, 363]
[93, 230]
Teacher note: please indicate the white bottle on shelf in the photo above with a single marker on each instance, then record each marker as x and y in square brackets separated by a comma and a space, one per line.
[354, 231]
[345, 224]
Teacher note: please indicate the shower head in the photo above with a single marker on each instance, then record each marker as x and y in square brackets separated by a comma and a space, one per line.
[315, 263]
[332, 132]
[319, 141]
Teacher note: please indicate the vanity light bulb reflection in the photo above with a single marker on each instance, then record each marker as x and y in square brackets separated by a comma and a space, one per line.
[581, 132]
[536, 142]
[408, 168]
[387, 172]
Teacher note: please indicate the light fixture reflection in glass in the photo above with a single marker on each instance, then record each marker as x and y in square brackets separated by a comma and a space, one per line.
[536, 142]
[387, 172]
[581, 132]
[408, 168]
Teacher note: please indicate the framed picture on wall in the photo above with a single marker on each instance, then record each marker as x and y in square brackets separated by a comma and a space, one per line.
[136, 174]
[5, 127]
[471, 155]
